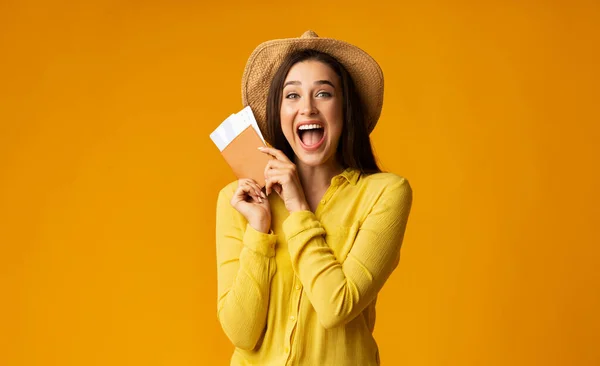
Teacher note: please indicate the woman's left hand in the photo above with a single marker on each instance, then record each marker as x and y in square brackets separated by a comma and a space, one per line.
[281, 176]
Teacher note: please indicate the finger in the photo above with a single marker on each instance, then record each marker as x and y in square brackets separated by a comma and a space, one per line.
[242, 195]
[287, 171]
[277, 165]
[247, 188]
[267, 186]
[276, 183]
[282, 175]
[255, 187]
[241, 189]
[258, 191]
[278, 154]
[274, 163]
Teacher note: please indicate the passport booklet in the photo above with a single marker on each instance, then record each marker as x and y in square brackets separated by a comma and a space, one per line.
[238, 139]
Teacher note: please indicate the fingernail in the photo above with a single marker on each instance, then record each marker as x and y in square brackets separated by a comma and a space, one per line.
[260, 148]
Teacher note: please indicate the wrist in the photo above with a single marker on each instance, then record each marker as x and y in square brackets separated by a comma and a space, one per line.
[262, 227]
[300, 207]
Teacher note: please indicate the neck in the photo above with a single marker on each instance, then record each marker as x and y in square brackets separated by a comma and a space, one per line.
[316, 179]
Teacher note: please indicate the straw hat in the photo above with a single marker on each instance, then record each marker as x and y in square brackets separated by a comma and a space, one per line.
[268, 56]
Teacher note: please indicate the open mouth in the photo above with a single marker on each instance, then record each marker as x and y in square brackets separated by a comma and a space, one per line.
[311, 135]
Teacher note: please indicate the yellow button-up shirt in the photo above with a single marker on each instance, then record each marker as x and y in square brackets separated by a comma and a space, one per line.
[305, 293]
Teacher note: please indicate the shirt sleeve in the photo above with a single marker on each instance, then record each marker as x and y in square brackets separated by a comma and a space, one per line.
[245, 267]
[340, 291]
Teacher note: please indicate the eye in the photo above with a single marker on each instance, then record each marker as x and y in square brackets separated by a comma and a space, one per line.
[291, 96]
[324, 94]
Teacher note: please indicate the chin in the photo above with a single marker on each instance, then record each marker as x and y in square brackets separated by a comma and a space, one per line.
[310, 159]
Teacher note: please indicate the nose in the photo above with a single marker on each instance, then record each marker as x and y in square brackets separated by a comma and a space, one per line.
[308, 107]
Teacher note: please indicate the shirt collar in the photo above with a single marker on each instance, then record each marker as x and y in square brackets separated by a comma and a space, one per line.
[351, 175]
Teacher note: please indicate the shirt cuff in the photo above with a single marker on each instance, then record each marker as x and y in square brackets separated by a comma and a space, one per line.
[299, 221]
[260, 242]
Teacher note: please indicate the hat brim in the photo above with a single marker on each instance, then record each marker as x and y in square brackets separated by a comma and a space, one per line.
[266, 59]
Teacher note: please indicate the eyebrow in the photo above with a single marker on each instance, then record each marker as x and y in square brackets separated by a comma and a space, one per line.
[318, 82]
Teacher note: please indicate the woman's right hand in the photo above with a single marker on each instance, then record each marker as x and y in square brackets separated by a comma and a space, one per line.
[253, 204]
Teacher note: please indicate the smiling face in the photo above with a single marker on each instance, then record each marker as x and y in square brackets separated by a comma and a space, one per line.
[311, 112]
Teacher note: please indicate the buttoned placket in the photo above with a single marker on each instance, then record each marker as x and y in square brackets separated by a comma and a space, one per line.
[297, 285]
[292, 321]
[335, 184]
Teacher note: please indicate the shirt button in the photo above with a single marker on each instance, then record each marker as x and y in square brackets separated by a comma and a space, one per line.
[298, 287]
[292, 318]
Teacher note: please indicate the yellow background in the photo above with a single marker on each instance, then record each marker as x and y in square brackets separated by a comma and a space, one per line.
[108, 179]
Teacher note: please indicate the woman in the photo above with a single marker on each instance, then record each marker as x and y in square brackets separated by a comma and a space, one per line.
[299, 270]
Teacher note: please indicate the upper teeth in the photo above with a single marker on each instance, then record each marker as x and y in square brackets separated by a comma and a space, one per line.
[309, 127]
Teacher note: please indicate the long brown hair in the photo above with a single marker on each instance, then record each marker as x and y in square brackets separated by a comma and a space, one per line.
[354, 148]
